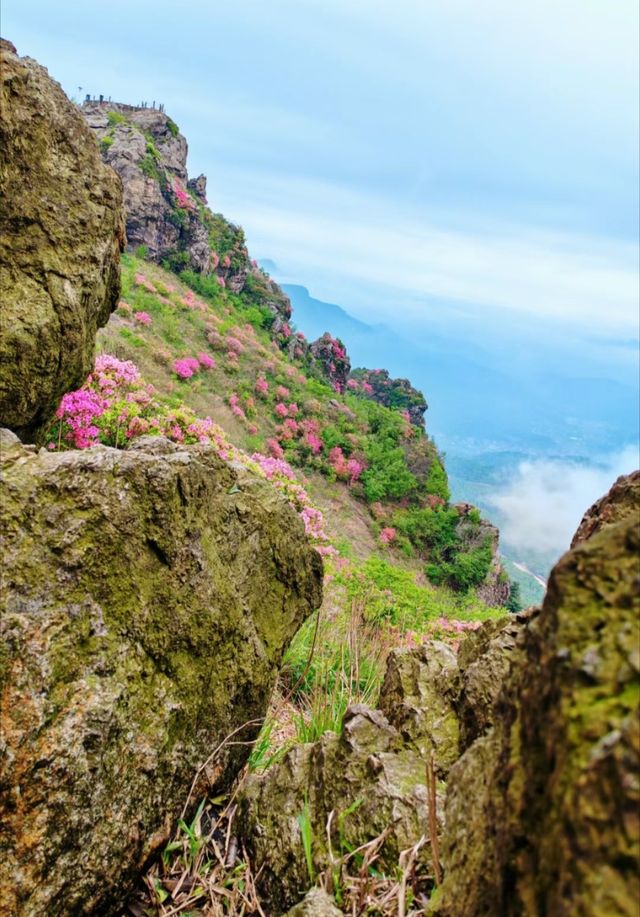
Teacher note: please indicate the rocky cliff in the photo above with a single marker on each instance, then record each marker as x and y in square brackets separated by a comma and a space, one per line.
[378, 385]
[61, 233]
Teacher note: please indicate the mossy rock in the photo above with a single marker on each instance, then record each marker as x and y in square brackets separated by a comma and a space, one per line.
[61, 232]
[149, 595]
[543, 808]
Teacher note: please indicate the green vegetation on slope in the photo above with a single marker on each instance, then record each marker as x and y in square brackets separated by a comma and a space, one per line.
[286, 408]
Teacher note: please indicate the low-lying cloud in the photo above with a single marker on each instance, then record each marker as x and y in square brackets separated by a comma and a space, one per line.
[541, 507]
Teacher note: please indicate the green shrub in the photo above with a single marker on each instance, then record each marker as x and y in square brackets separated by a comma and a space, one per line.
[116, 117]
[514, 602]
[387, 476]
[149, 167]
[173, 127]
[436, 482]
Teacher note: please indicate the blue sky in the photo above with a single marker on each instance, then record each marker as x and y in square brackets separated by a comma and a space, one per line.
[393, 155]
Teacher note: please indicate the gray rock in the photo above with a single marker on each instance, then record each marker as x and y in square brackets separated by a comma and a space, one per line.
[147, 602]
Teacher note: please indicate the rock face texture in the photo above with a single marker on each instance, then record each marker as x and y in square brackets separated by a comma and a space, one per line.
[622, 500]
[372, 777]
[542, 813]
[535, 729]
[331, 356]
[149, 154]
[392, 393]
[148, 597]
[61, 233]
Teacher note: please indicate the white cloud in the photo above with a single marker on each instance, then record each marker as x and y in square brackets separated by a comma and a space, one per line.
[542, 506]
[331, 234]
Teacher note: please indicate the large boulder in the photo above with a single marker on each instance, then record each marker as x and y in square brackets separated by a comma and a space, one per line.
[543, 807]
[148, 598]
[61, 233]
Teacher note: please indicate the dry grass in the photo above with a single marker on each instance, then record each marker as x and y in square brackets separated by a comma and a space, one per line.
[204, 872]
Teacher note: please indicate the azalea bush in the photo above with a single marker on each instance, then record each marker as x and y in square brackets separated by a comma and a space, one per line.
[116, 406]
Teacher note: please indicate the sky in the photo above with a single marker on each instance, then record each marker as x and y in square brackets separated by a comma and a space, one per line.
[399, 158]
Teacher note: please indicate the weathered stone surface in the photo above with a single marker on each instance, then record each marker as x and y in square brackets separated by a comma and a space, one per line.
[622, 500]
[143, 146]
[331, 356]
[61, 232]
[542, 813]
[372, 778]
[148, 597]
[417, 699]
[316, 903]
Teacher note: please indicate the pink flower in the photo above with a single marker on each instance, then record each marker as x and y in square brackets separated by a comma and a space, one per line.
[281, 409]
[293, 408]
[186, 367]
[312, 441]
[143, 317]
[226, 261]
[221, 280]
[387, 535]
[275, 449]
[262, 386]
[234, 344]
[282, 392]
[354, 470]
[206, 361]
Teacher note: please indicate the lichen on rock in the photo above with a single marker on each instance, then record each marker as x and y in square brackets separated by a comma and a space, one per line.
[148, 597]
[542, 807]
[61, 233]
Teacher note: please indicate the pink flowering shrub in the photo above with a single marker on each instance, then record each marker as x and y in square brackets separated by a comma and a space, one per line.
[353, 384]
[143, 317]
[205, 361]
[282, 392]
[215, 260]
[226, 261]
[221, 280]
[186, 367]
[183, 200]
[313, 443]
[293, 409]
[77, 413]
[234, 344]
[354, 470]
[387, 535]
[282, 476]
[281, 409]
[346, 469]
[234, 402]
[262, 387]
[141, 281]
[274, 448]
